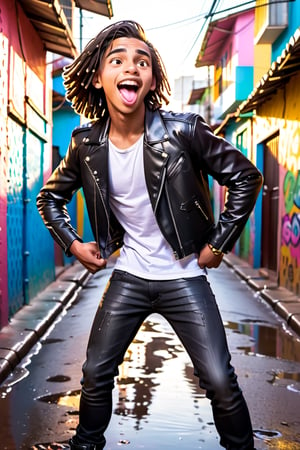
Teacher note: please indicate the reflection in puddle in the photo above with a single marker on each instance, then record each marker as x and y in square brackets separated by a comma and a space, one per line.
[20, 372]
[266, 340]
[266, 434]
[51, 446]
[155, 372]
[16, 376]
[69, 398]
[155, 375]
[283, 379]
[58, 379]
[51, 341]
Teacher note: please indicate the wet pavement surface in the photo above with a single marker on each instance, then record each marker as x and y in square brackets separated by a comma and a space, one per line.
[157, 401]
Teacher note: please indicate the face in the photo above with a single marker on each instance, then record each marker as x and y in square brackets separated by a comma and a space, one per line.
[125, 74]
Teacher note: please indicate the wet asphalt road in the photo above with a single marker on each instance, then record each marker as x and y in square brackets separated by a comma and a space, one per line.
[157, 403]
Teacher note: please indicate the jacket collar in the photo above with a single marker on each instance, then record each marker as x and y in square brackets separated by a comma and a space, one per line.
[99, 132]
[155, 129]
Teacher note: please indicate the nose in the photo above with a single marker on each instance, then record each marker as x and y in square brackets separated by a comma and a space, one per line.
[131, 67]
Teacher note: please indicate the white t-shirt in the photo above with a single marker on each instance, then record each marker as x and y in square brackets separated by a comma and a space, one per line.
[145, 252]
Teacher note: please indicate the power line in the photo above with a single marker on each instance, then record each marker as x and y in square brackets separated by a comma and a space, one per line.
[213, 13]
[209, 17]
[179, 22]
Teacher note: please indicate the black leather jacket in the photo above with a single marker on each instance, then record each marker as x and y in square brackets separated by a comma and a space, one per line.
[180, 150]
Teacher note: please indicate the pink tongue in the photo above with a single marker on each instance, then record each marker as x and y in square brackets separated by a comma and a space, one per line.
[129, 95]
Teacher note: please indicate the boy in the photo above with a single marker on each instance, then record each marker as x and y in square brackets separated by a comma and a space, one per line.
[144, 175]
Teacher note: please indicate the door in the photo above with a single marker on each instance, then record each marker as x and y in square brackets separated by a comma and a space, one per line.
[270, 201]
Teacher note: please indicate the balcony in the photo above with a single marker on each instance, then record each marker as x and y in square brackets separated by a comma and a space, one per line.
[234, 92]
[270, 20]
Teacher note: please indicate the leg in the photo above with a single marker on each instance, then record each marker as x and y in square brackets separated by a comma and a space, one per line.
[123, 310]
[190, 307]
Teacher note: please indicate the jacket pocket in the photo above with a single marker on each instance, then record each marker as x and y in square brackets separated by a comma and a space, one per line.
[176, 167]
[194, 203]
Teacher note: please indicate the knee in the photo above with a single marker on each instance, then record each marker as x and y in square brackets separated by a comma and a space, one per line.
[97, 377]
[222, 387]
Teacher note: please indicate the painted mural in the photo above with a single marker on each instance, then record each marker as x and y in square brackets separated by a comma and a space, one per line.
[289, 196]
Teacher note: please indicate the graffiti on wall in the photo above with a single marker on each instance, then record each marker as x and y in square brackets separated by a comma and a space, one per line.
[290, 232]
[289, 155]
[291, 219]
[289, 163]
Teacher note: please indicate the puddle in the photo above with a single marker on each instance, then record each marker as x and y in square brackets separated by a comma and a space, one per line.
[58, 379]
[156, 397]
[283, 379]
[145, 393]
[20, 372]
[50, 446]
[266, 434]
[51, 341]
[266, 340]
[64, 445]
[69, 398]
[16, 376]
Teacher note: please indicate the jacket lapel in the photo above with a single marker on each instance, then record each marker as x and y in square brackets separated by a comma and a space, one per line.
[155, 157]
[97, 155]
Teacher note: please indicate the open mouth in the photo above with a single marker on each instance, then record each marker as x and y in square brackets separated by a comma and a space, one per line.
[128, 90]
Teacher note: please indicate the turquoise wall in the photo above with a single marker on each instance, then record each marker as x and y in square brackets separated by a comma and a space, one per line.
[293, 23]
[64, 122]
[244, 82]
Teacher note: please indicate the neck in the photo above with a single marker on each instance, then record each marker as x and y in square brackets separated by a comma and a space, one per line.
[125, 129]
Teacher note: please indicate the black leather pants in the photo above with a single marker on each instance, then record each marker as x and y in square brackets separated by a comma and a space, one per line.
[189, 306]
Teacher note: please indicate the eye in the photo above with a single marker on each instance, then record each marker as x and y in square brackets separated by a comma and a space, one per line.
[143, 63]
[115, 61]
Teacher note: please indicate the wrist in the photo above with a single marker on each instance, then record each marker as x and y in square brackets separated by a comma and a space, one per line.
[74, 246]
[215, 250]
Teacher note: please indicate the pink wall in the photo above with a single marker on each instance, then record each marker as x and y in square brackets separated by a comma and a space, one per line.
[18, 37]
[244, 39]
[15, 24]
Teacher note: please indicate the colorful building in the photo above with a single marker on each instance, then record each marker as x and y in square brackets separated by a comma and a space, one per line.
[227, 51]
[30, 31]
[64, 121]
[266, 125]
[274, 104]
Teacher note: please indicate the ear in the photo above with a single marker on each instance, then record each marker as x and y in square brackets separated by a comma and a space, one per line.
[97, 81]
[153, 84]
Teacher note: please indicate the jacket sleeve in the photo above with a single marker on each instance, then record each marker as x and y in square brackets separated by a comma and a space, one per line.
[232, 169]
[53, 198]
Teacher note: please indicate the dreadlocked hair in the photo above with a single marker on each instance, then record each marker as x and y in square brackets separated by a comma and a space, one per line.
[78, 76]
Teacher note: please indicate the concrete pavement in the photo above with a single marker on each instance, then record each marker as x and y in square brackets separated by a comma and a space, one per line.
[30, 323]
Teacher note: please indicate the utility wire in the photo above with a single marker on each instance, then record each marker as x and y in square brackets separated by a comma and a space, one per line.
[213, 13]
[209, 17]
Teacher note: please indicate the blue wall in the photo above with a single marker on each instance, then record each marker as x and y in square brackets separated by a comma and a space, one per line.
[293, 23]
[244, 82]
[64, 121]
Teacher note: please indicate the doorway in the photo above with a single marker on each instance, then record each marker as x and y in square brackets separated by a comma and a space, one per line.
[270, 201]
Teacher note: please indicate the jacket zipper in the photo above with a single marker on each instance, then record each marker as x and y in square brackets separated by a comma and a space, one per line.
[96, 187]
[160, 189]
[95, 215]
[58, 237]
[175, 228]
[228, 237]
[196, 202]
[175, 167]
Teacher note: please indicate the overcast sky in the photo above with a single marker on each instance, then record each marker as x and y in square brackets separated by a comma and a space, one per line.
[173, 27]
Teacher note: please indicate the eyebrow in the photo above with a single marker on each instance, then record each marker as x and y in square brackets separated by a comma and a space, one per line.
[123, 50]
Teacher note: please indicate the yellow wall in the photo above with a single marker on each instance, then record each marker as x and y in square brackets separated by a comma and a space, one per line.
[262, 61]
[261, 15]
[282, 115]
